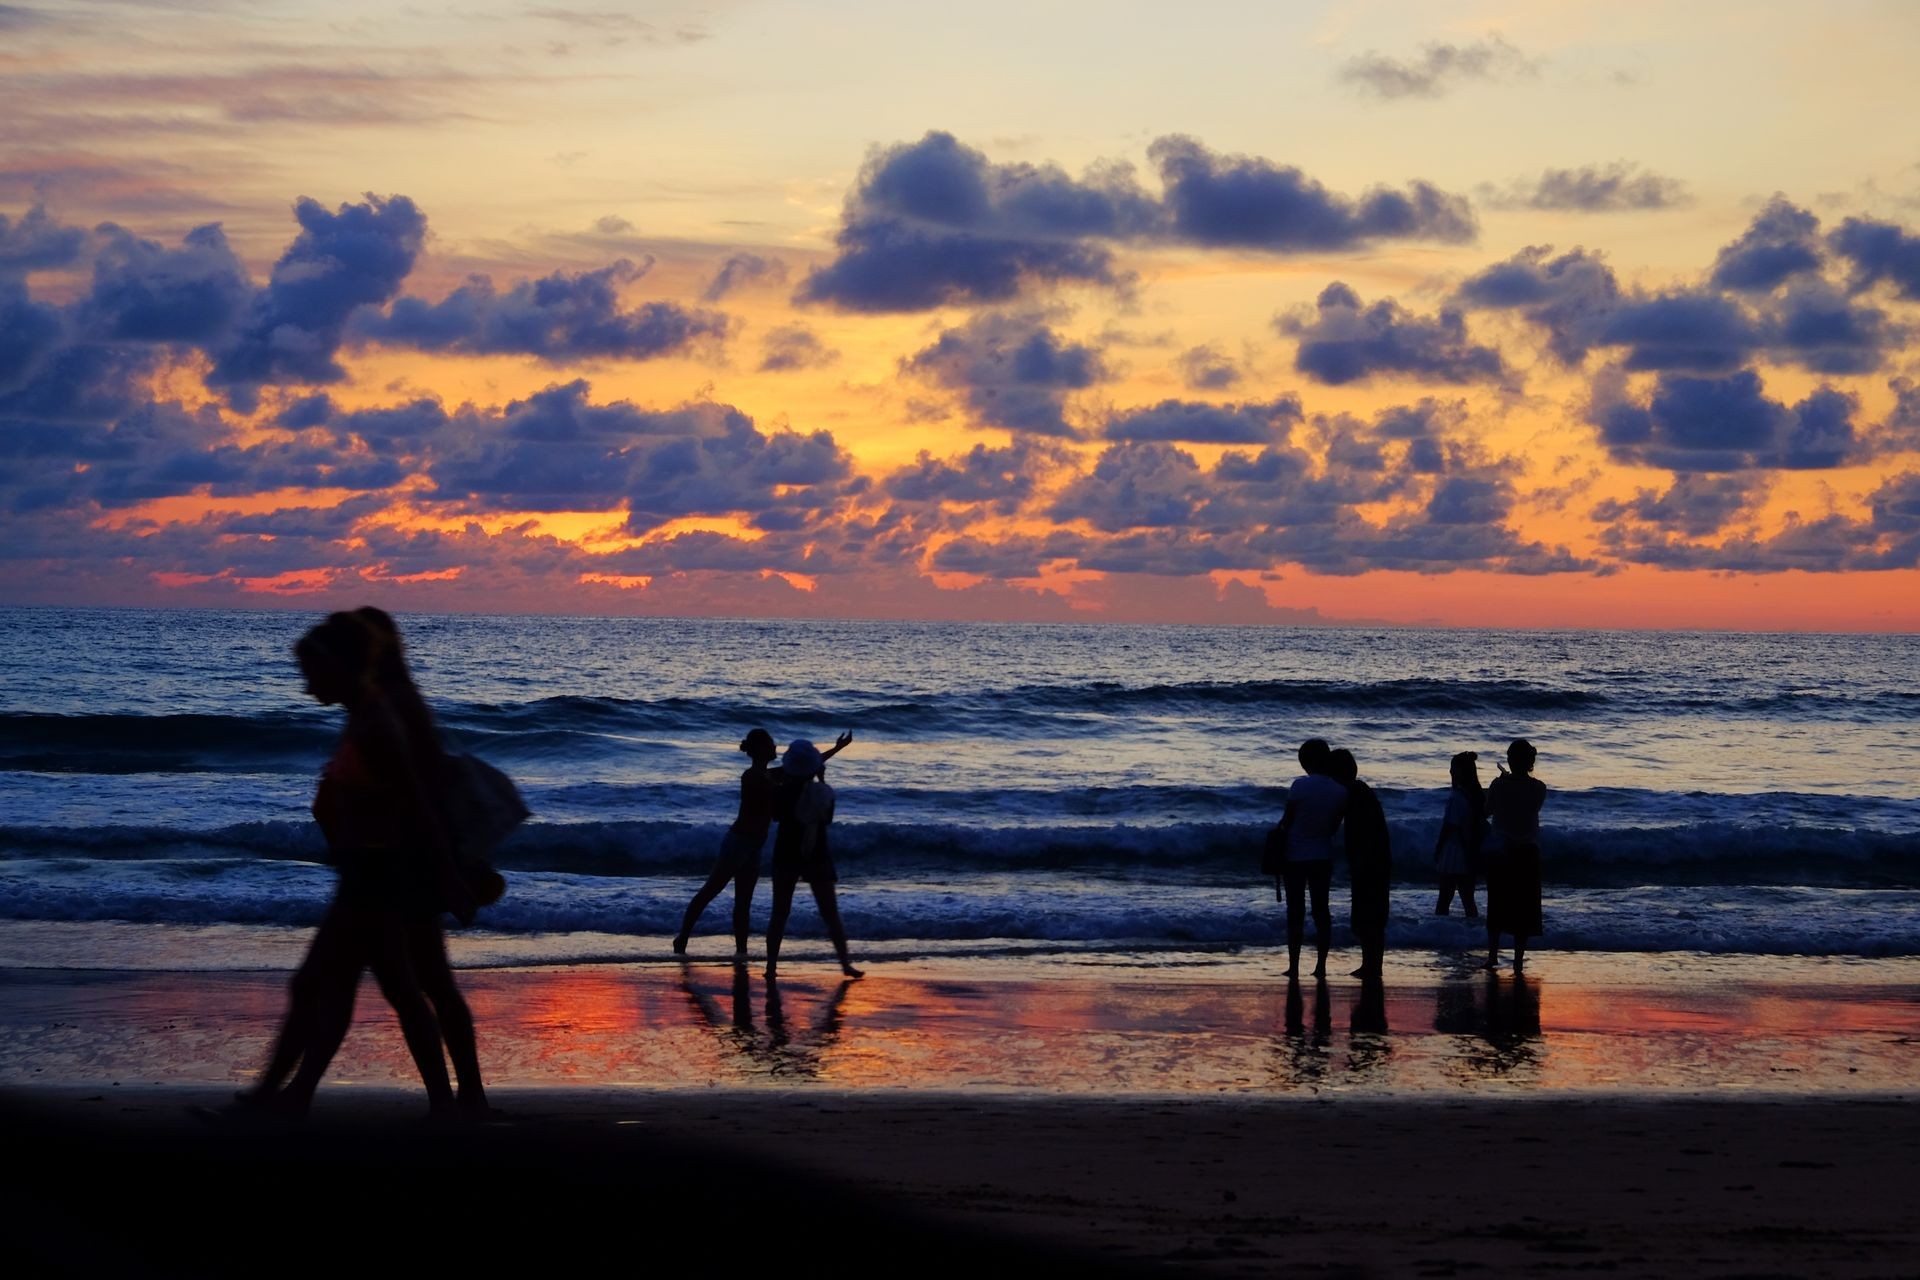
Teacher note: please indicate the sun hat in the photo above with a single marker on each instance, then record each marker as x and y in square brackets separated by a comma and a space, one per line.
[803, 758]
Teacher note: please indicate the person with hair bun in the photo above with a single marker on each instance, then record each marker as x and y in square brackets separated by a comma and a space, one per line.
[378, 809]
[1512, 850]
[739, 859]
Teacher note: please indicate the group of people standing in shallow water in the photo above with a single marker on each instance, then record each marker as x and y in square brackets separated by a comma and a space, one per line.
[1495, 832]
[385, 807]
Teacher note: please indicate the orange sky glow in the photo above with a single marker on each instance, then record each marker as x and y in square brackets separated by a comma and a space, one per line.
[1367, 311]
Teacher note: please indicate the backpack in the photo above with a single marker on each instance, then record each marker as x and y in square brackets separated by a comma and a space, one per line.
[813, 810]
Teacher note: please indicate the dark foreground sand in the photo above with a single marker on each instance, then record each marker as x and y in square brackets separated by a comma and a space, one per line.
[123, 1181]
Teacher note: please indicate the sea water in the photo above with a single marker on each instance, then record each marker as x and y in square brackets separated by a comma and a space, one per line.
[1079, 788]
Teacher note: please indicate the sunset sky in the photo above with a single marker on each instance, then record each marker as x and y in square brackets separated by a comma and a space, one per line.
[1581, 314]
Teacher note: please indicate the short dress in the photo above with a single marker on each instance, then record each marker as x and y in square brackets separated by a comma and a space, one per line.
[1512, 852]
[1457, 852]
[1369, 858]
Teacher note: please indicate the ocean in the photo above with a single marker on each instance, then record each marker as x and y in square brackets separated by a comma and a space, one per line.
[1011, 788]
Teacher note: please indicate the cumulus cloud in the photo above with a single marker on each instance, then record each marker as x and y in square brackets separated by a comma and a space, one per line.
[1012, 370]
[794, 346]
[559, 318]
[1612, 188]
[1724, 424]
[935, 223]
[35, 242]
[1252, 203]
[1816, 326]
[29, 330]
[1684, 329]
[1438, 68]
[145, 292]
[1567, 296]
[1888, 538]
[355, 256]
[1343, 340]
[741, 270]
[1695, 505]
[1197, 422]
[1880, 251]
[1204, 368]
[1782, 242]
[1001, 478]
[558, 451]
[1765, 298]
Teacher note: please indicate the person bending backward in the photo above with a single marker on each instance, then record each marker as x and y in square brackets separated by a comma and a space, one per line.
[804, 806]
[1315, 805]
[1512, 851]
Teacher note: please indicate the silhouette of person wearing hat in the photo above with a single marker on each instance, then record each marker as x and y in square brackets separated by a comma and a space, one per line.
[804, 809]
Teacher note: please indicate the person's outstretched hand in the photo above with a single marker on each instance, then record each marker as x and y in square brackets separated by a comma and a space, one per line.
[842, 741]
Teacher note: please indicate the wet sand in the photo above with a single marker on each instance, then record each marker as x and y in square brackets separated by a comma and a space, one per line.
[1083, 1026]
[1632, 1114]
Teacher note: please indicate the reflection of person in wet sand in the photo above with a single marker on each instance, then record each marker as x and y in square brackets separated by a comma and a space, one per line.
[777, 1054]
[804, 806]
[384, 834]
[1306, 1055]
[1502, 1020]
[1513, 855]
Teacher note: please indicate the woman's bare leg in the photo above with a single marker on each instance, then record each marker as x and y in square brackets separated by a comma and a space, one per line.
[829, 903]
[428, 943]
[743, 885]
[783, 887]
[329, 965]
[701, 898]
[393, 969]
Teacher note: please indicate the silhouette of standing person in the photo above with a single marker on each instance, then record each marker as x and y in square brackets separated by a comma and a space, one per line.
[1513, 854]
[739, 859]
[1457, 852]
[1369, 864]
[803, 805]
[1315, 805]
[385, 837]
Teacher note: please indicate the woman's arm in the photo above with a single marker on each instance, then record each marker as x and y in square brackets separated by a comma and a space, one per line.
[840, 744]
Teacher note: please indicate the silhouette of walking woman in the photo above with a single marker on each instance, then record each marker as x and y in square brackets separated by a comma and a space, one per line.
[1513, 855]
[804, 806]
[376, 807]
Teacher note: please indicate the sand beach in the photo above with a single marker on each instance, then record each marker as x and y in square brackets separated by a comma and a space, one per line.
[1640, 1115]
